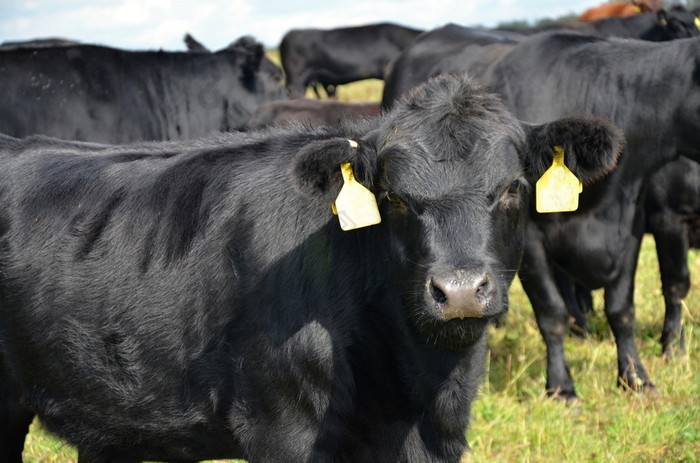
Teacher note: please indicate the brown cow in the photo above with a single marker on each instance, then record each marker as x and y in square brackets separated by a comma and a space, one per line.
[612, 9]
[310, 112]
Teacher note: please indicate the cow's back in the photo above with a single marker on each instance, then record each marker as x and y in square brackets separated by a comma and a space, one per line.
[173, 222]
[107, 95]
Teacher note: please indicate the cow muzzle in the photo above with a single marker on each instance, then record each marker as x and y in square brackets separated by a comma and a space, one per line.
[462, 293]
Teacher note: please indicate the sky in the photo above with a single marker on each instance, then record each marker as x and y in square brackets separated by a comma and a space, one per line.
[154, 24]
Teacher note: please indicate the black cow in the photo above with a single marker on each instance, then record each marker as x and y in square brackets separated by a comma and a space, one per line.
[310, 111]
[37, 43]
[672, 216]
[671, 24]
[652, 92]
[192, 300]
[94, 93]
[450, 49]
[339, 56]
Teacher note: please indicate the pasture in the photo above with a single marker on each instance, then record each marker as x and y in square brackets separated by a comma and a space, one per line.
[513, 421]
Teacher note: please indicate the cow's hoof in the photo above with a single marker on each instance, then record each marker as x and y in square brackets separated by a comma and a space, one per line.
[568, 397]
[579, 331]
[673, 350]
[639, 385]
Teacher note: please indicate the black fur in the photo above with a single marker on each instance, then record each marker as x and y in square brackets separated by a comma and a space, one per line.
[101, 94]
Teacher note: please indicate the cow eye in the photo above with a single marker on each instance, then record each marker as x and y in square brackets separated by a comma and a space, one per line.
[514, 187]
[511, 197]
[394, 199]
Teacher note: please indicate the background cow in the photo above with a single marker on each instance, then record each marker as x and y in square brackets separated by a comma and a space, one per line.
[93, 93]
[340, 56]
[309, 111]
[671, 24]
[621, 9]
[197, 300]
[672, 216]
[455, 49]
[451, 49]
[38, 43]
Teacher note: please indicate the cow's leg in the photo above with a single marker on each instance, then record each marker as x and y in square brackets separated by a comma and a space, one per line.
[568, 290]
[620, 312]
[317, 89]
[539, 284]
[584, 299]
[672, 252]
[15, 418]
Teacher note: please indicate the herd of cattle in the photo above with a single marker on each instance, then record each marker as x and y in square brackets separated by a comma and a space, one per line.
[174, 283]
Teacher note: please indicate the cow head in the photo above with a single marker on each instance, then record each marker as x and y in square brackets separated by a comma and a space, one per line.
[674, 23]
[260, 78]
[451, 169]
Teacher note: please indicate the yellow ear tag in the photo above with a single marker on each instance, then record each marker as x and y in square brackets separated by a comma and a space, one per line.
[637, 8]
[663, 22]
[697, 22]
[558, 188]
[355, 205]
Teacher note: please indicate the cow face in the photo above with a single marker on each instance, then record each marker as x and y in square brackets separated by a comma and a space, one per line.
[676, 23]
[451, 169]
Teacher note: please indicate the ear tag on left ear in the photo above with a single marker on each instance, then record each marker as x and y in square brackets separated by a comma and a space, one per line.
[558, 188]
[355, 205]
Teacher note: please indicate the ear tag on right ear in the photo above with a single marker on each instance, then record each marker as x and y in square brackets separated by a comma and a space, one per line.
[558, 188]
[355, 205]
[697, 22]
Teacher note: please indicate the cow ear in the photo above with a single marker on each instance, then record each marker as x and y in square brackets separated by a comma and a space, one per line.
[252, 53]
[662, 16]
[591, 146]
[316, 172]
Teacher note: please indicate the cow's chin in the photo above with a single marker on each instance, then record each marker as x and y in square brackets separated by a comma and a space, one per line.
[456, 335]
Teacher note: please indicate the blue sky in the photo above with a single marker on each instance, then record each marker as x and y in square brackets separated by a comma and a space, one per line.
[152, 24]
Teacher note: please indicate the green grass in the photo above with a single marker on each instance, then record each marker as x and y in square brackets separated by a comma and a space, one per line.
[512, 421]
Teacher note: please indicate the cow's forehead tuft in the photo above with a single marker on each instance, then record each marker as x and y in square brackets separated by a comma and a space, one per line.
[450, 135]
[449, 117]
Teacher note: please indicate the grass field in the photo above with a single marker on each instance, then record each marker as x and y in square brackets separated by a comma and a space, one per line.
[513, 421]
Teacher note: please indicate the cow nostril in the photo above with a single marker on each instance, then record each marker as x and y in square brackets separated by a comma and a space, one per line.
[482, 286]
[437, 293]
